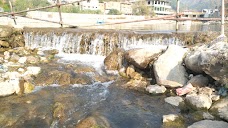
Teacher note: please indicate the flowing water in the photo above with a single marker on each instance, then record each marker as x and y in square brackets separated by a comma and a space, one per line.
[107, 103]
[66, 106]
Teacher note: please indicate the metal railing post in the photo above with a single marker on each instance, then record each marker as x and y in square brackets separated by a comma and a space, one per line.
[12, 12]
[177, 15]
[60, 15]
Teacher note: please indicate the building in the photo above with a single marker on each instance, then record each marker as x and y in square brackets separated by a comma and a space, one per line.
[211, 13]
[124, 8]
[89, 5]
[192, 14]
[160, 7]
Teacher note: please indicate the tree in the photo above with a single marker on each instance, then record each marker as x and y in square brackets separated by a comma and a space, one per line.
[114, 12]
[141, 8]
[20, 5]
[5, 5]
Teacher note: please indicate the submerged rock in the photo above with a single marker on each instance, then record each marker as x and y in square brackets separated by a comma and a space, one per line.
[94, 121]
[155, 89]
[176, 100]
[168, 69]
[173, 121]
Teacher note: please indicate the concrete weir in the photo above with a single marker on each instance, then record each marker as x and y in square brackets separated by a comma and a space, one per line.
[102, 42]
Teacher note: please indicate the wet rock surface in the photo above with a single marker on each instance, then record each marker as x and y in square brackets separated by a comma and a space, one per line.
[108, 106]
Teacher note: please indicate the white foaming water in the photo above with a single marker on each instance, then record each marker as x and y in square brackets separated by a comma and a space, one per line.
[97, 61]
[146, 46]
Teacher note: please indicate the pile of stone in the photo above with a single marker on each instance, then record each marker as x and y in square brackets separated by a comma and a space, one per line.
[18, 65]
[198, 75]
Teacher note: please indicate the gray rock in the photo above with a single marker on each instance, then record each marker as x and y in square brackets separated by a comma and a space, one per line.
[198, 102]
[212, 59]
[220, 108]
[174, 100]
[155, 89]
[209, 124]
[141, 57]
[192, 61]
[199, 81]
[168, 69]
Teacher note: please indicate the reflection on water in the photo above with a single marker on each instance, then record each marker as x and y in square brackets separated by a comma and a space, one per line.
[169, 26]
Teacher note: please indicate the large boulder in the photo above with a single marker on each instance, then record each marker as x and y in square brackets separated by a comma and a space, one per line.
[209, 124]
[192, 61]
[220, 108]
[168, 69]
[141, 57]
[114, 60]
[53, 77]
[212, 59]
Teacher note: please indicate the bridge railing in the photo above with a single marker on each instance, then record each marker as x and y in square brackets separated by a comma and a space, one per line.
[58, 5]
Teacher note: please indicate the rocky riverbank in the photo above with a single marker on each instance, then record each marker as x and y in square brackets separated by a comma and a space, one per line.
[192, 78]
[197, 75]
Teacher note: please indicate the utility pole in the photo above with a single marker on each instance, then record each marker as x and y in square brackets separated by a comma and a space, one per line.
[177, 14]
[223, 19]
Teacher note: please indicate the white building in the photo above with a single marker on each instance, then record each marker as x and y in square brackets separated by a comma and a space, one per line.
[89, 5]
[160, 7]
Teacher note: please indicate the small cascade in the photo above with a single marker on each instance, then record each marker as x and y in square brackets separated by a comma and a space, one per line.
[94, 42]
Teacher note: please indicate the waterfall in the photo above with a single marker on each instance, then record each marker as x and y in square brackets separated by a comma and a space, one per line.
[94, 42]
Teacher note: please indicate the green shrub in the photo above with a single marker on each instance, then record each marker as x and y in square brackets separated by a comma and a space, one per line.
[114, 12]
